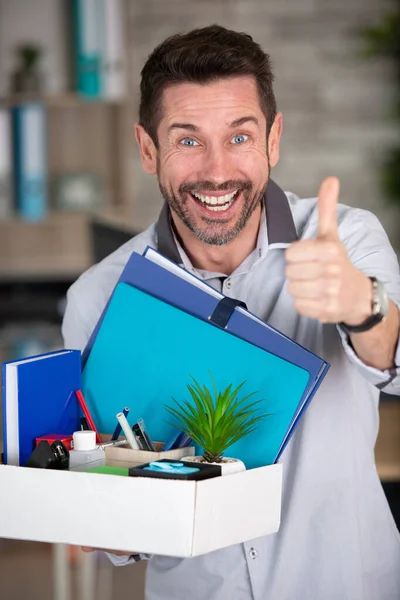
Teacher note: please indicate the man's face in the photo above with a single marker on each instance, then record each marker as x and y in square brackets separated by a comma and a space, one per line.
[212, 161]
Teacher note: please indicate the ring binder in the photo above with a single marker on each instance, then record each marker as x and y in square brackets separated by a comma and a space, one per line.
[169, 314]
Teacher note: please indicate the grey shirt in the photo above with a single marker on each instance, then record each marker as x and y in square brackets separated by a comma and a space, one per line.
[337, 540]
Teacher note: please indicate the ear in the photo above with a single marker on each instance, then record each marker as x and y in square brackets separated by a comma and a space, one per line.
[148, 151]
[274, 139]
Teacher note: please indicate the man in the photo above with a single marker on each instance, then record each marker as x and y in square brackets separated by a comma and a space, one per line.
[210, 131]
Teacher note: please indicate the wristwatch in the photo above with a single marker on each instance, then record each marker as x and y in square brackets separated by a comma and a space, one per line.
[380, 308]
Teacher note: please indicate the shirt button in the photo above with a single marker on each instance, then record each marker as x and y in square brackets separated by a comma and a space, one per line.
[228, 284]
[253, 553]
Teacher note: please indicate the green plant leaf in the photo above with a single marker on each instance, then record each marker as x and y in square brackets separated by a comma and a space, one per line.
[216, 419]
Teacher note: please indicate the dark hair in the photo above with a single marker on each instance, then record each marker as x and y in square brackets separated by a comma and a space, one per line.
[203, 56]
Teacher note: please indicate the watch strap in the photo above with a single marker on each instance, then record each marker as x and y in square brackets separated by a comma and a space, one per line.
[376, 317]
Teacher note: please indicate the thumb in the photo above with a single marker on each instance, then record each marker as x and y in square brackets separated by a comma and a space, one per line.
[328, 197]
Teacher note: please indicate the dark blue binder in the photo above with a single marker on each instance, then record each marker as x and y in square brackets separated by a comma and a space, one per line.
[36, 400]
[160, 283]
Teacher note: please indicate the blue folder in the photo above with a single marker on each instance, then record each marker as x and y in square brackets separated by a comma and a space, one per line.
[37, 400]
[125, 375]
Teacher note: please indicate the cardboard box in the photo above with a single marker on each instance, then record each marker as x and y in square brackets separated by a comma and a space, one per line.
[157, 516]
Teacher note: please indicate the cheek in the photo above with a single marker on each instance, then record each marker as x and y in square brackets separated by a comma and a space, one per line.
[254, 162]
[174, 166]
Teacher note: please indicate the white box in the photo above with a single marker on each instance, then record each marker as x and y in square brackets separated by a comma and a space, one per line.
[158, 516]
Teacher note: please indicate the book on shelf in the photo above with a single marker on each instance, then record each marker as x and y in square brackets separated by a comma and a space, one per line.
[99, 48]
[30, 160]
[6, 164]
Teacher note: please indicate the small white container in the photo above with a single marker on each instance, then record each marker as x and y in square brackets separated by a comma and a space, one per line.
[85, 455]
[228, 465]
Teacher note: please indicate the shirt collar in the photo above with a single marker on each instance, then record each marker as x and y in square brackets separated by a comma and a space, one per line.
[280, 225]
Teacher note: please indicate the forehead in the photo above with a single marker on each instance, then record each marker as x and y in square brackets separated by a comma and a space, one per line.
[224, 100]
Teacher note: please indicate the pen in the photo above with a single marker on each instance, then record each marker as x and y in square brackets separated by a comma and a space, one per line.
[118, 428]
[127, 431]
[87, 414]
[115, 443]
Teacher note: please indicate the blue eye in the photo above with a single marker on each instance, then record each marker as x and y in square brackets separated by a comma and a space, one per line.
[188, 142]
[240, 139]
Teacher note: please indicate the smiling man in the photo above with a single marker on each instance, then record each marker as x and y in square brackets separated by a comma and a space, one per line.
[319, 271]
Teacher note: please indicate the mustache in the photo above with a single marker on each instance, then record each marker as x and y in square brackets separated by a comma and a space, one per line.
[208, 186]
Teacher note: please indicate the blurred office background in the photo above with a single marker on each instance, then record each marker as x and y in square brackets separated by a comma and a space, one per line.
[337, 84]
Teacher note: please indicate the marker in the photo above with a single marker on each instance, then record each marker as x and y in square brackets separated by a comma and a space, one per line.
[130, 438]
[87, 414]
[142, 438]
[146, 436]
[118, 428]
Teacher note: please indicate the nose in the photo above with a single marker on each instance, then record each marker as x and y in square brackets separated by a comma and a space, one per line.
[216, 165]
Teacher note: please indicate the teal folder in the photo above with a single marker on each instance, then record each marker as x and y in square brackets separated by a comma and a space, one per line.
[145, 352]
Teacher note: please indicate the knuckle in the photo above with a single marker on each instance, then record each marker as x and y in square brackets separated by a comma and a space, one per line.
[333, 249]
[333, 269]
[331, 288]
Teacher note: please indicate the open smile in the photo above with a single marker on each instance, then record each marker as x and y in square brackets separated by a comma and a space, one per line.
[216, 203]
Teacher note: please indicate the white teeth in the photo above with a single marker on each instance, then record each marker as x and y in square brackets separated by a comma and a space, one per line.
[217, 202]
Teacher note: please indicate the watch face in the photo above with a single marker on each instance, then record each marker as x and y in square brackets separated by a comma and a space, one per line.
[383, 299]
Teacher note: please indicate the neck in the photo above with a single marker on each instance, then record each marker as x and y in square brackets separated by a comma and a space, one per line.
[221, 259]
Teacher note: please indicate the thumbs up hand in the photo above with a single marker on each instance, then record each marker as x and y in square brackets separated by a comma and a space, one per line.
[323, 281]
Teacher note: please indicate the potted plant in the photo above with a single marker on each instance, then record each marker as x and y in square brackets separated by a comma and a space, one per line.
[215, 420]
[27, 78]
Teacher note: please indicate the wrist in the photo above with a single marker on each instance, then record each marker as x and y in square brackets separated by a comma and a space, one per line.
[362, 308]
[379, 309]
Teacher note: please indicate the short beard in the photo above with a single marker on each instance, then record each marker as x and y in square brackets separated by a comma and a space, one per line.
[214, 238]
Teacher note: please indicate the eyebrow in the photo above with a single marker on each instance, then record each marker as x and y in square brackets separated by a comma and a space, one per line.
[243, 120]
[191, 127]
[188, 126]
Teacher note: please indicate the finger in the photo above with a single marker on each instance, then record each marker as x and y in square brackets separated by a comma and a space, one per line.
[123, 552]
[319, 289]
[328, 198]
[313, 251]
[313, 309]
[117, 552]
[305, 271]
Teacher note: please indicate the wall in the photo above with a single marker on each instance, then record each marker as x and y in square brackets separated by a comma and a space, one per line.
[335, 105]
